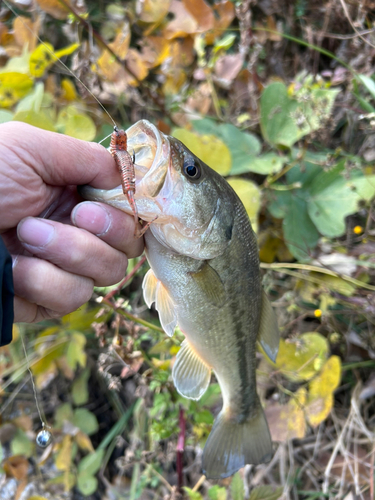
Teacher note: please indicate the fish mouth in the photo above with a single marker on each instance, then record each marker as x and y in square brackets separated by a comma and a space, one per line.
[151, 150]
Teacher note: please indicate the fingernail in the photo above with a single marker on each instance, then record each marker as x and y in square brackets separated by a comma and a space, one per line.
[93, 217]
[35, 232]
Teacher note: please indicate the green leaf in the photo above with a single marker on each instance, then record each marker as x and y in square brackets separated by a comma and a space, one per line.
[21, 444]
[277, 124]
[237, 488]
[300, 234]
[80, 392]
[86, 484]
[217, 492]
[76, 355]
[33, 101]
[85, 421]
[40, 119]
[268, 163]
[62, 414]
[192, 495]
[71, 122]
[331, 202]
[284, 119]
[5, 116]
[82, 318]
[368, 83]
[244, 148]
[266, 493]
[90, 464]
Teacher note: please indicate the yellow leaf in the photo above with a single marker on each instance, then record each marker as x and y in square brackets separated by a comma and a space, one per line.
[63, 458]
[321, 390]
[84, 442]
[56, 350]
[44, 56]
[13, 86]
[41, 58]
[71, 122]
[66, 51]
[152, 11]
[209, 148]
[328, 379]
[162, 365]
[319, 409]
[69, 91]
[301, 358]
[249, 193]
[37, 497]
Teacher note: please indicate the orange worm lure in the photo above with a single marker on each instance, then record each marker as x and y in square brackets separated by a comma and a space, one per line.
[125, 164]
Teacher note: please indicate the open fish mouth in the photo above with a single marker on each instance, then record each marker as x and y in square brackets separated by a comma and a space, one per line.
[151, 149]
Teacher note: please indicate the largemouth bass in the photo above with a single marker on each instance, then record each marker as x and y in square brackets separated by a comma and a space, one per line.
[205, 278]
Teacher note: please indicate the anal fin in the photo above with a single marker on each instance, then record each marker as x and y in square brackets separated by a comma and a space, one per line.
[191, 375]
[268, 336]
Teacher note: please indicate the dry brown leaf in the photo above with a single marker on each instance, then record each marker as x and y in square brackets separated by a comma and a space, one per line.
[54, 8]
[182, 25]
[287, 421]
[23, 422]
[152, 11]
[223, 16]
[155, 49]
[200, 100]
[201, 12]
[227, 68]
[107, 64]
[137, 66]
[16, 466]
[26, 32]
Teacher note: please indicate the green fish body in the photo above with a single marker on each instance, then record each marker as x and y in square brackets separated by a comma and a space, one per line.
[205, 278]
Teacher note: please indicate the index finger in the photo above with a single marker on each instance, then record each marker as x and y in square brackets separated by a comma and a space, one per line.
[61, 160]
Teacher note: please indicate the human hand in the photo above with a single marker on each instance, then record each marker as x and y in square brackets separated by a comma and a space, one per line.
[56, 264]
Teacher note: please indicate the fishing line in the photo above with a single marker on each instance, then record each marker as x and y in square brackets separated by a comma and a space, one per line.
[60, 61]
[44, 436]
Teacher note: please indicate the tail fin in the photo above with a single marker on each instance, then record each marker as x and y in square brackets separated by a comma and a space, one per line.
[232, 445]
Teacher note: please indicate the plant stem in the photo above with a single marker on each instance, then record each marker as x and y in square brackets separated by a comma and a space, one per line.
[131, 316]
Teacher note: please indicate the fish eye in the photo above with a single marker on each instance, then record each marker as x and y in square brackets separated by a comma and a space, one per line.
[192, 169]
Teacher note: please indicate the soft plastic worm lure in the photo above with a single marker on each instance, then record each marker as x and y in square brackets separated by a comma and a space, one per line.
[125, 164]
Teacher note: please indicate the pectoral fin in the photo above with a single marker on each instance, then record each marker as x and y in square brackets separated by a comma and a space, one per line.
[149, 287]
[210, 283]
[166, 309]
[191, 376]
[155, 291]
[268, 336]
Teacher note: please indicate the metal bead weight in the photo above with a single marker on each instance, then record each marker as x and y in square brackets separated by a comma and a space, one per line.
[43, 438]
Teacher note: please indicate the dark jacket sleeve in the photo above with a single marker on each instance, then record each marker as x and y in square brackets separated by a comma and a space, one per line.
[6, 295]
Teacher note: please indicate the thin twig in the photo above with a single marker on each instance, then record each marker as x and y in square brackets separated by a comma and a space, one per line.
[128, 277]
[345, 8]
